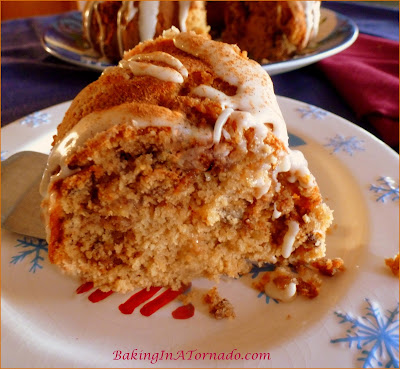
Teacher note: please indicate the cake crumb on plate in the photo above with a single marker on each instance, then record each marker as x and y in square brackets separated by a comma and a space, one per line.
[219, 307]
[393, 264]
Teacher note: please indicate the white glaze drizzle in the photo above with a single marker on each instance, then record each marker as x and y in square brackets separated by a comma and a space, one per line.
[146, 69]
[290, 236]
[163, 57]
[286, 294]
[139, 66]
[219, 124]
[213, 94]
[276, 214]
[148, 11]
[184, 7]
[312, 14]
[126, 13]
[131, 10]
[299, 169]
[226, 134]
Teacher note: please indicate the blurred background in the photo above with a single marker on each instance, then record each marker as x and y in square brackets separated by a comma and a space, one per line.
[22, 9]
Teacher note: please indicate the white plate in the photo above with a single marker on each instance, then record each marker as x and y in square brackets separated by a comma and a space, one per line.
[337, 32]
[45, 324]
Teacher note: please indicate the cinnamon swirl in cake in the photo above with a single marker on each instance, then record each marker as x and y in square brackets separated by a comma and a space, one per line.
[111, 27]
[268, 30]
[175, 165]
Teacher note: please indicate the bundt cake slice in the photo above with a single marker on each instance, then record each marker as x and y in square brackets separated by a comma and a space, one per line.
[175, 165]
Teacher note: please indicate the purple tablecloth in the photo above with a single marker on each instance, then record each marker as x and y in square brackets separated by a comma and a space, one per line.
[32, 79]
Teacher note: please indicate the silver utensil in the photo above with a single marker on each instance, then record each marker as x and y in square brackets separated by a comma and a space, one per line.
[20, 198]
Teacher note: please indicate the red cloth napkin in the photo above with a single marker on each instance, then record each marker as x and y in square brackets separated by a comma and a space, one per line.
[367, 76]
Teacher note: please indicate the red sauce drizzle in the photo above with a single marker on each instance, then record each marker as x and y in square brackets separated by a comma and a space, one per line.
[84, 287]
[162, 300]
[137, 299]
[99, 295]
[183, 312]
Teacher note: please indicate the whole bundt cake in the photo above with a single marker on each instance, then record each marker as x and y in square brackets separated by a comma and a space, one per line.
[268, 30]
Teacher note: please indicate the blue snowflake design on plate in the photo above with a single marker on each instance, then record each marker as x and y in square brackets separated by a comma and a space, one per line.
[36, 119]
[30, 246]
[295, 141]
[311, 111]
[267, 298]
[349, 145]
[386, 189]
[376, 336]
[4, 155]
[255, 271]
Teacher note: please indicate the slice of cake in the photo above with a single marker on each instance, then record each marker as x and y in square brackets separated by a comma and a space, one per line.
[111, 27]
[268, 30]
[175, 165]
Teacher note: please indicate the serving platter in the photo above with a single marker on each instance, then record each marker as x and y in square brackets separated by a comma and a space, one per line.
[354, 321]
[64, 40]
